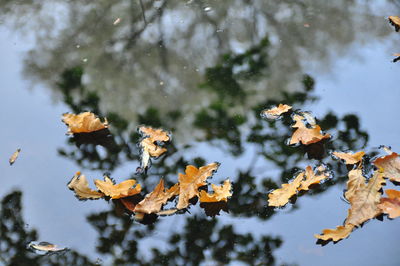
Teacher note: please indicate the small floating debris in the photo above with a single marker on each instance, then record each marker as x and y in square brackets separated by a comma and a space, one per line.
[14, 157]
[43, 248]
[117, 21]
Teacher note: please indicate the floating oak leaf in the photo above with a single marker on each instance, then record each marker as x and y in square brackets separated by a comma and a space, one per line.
[276, 112]
[83, 123]
[279, 197]
[391, 205]
[153, 201]
[149, 144]
[14, 157]
[341, 232]
[221, 193]
[306, 135]
[395, 21]
[355, 183]
[390, 165]
[190, 182]
[350, 158]
[45, 247]
[121, 190]
[312, 178]
[80, 185]
[397, 58]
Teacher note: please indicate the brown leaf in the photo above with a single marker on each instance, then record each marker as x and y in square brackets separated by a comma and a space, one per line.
[341, 232]
[397, 58]
[391, 205]
[80, 185]
[279, 197]
[121, 190]
[14, 157]
[221, 193]
[83, 123]
[306, 135]
[149, 145]
[45, 247]
[153, 201]
[275, 112]
[395, 21]
[355, 183]
[390, 165]
[312, 178]
[350, 158]
[190, 182]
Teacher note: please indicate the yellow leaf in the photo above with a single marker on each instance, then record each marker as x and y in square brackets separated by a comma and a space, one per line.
[80, 185]
[391, 205]
[395, 21]
[221, 193]
[190, 182]
[312, 178]
[153, 201]
[304, 134]
[149, 145]
[83, 123]
[279, 197]
[390, 165]
[275, 112]
[14, 157]
[350, 158]
[337, 234]
[121, 190]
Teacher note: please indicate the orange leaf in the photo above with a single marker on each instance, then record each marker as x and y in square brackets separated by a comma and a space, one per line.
[149, 144]
[221, 193]
[275, 112]
[390, 165]
[312, 178]
[80, 185]
[395, 21]
[121, 190]
[190, 182]
[14, 157]
[153, 201]
[350, 158]
[391, 205]
[83, 123]
[279, 197]
[337, 234]
[304, 134]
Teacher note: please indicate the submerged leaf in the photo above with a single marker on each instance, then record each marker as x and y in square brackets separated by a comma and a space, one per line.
[390, 165]
[275, 112]
[153, 201]
[80, 185]
[306, 135]
[14, 157]
[83, 123]
[395, 21]
[221, 193]
[190, 182]
[391, 205]
[121, 190]
[350, 158]
[149, 145]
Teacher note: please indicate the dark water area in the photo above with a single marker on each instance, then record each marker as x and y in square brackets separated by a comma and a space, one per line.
[203, 70]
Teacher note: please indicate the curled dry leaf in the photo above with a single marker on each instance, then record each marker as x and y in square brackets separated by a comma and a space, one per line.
[350, 158]
[279, 197]
[149, 145]
[45, 247]
[391, 205]
[153, 201]
[121, 190]
[275, 112]
[395, 21]
[364, 200]
[83, 123]
[190, 182]
[397, 58]
[14, 157]
[390, 164]
[306, 135]
[221, 193]
[80, 185]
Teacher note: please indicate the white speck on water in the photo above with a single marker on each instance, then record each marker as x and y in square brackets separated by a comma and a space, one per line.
[78, 46]
[161, 83]
[117, 21]
[84, 60]
[207, 9]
